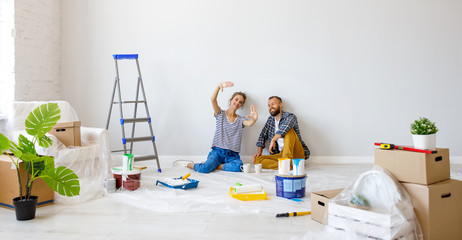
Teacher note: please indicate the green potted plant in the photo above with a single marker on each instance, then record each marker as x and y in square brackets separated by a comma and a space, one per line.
[61, 179]
[424, 133]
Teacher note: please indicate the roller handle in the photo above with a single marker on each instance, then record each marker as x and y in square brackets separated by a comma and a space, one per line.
[282, 215]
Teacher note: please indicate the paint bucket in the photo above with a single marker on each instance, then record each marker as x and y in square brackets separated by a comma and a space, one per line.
[129, 180]
[290, 186]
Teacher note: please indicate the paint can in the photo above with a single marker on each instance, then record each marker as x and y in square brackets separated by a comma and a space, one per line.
[127, 163]
[129, 180]
[283, 166]
[290, 186]
[110, 185]
[299, 166]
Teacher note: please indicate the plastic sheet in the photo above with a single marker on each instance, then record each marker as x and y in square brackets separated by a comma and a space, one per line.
[375, 206]
[212, 193]
[21, 110]
[89, 161]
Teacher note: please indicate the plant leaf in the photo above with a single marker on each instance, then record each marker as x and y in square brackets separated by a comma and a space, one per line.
[4, 143]
[423, 126]
[26, 145]
[16, 150]
[29, 157]
[49, 161]
[42, 119]
[63, 181]
[39, 166]
[41, 163]
[45, 141]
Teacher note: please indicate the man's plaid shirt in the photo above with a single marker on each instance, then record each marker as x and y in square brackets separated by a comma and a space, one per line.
[287, 122]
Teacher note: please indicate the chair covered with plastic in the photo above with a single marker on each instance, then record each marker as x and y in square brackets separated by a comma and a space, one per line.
[90, 161]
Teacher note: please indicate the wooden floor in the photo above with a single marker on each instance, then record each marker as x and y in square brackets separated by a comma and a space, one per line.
[107, 219]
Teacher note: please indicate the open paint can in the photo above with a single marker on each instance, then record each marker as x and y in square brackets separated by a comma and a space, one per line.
[129, 180]
[290, 186]
[299, 166]
[127, 163]
[283, 166]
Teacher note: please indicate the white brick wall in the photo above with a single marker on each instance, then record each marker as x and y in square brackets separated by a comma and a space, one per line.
[37, 49]
[6, 55]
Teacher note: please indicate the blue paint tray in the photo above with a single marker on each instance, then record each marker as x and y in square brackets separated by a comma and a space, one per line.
[192, 184]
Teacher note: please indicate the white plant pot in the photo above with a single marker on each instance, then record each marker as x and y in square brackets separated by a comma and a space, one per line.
[425, 141]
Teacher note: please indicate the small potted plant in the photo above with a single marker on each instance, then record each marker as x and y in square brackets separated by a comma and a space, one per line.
[61, 179]
[424, 133]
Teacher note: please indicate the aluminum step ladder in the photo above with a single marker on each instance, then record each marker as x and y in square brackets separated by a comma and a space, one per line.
[132, 139]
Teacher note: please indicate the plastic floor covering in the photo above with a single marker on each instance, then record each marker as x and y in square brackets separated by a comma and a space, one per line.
[212, 193]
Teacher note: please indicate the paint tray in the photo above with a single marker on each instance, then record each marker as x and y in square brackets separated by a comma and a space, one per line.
[192, 184]
[248, 196]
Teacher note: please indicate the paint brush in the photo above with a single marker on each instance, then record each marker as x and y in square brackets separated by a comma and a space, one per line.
[293, 214]
[140, 168]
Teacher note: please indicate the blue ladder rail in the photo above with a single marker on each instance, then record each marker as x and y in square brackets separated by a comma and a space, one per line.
[125, 56]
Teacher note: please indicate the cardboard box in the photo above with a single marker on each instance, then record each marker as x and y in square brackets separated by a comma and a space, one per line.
[68, 133]
[438, 208]
[9, 187]
[366, 224]
[320, 202]
[415, 167]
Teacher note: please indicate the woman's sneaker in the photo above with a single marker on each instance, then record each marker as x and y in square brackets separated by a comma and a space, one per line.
[182, 163]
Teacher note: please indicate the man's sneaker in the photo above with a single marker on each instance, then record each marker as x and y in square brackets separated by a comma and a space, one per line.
[182, 163]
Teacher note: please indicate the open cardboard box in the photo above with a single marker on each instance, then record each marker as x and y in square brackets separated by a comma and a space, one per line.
[9, 187]
[415, 167]
[320, 202]
[438, 208]
[68, 133]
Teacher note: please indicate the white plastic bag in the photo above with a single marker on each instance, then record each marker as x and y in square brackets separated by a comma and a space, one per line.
[374, 206]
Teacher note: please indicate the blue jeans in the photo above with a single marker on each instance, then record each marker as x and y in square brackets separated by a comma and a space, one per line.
[231, 161]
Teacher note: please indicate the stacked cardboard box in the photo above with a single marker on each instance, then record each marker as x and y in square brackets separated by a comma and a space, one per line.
[436, 198]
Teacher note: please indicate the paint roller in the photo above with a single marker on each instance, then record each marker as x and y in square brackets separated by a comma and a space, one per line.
[185, 176]
[248, 188]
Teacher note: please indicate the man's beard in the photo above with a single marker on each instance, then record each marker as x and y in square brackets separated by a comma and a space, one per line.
[276, 112]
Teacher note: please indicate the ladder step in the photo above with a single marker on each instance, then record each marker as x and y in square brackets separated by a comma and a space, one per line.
[125, 56]
[138, 139]
[116, 151]
[143, 158]
[132, 120]
[123, 102]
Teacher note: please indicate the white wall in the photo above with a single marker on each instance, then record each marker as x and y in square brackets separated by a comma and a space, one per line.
[354, 72]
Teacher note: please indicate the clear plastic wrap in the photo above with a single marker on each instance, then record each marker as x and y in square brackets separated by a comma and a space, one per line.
[21, 110]
[375, 206]
[89, 161]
